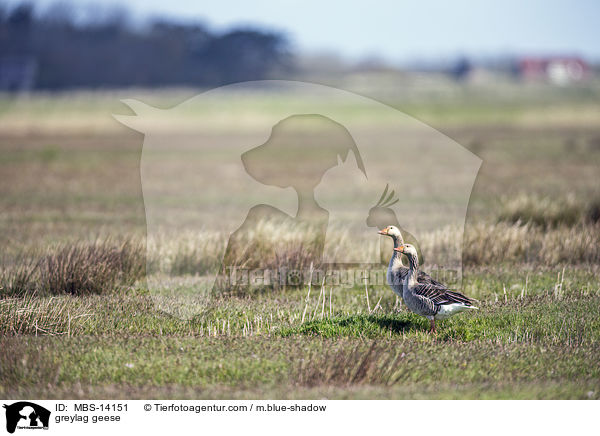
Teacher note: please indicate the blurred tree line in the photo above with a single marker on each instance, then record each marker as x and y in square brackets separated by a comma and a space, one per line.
[107, 50]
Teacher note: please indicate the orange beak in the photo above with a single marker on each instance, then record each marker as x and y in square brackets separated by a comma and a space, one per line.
[400, 249]
[383, 232]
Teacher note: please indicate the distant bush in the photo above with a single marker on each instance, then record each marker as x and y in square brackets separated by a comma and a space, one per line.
[67, 51]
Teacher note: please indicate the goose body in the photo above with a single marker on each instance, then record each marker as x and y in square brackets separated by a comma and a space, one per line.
[431, 300]
[397, 272]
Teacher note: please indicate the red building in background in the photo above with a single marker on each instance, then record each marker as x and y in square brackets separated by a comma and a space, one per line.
[559, 70]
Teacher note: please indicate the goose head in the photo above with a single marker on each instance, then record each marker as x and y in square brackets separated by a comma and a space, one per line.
[409, 250]
[391, 231]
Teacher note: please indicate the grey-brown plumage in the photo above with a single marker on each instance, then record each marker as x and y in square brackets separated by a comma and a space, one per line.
[431, 300]
[397, 272]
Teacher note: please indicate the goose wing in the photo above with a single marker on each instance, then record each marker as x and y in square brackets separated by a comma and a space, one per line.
[423, 277]
[399, 274]
[440, 295]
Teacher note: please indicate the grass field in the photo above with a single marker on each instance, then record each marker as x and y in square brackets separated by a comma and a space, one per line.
[77, 319]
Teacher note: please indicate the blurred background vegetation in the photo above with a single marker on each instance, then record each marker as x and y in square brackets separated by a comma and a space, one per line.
[51, 49]
[61, 45]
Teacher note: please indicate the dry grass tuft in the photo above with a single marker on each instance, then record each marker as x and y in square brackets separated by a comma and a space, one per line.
[545, 212]
[30, 315]
[91, 269]
[269, 245]
[75, 268]
[490, 244]
[185, 252]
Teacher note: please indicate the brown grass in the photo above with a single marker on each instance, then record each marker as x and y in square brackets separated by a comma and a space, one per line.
[74, 268]
[43, 316]
[491, 244]
[547, 212]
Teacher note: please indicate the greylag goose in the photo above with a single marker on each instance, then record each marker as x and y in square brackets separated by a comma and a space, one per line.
[432, 301]
[397, 272]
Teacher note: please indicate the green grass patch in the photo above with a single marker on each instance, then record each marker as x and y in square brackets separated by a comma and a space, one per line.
[155, 365]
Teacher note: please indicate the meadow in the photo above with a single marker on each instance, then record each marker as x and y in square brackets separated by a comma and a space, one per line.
[77, 319]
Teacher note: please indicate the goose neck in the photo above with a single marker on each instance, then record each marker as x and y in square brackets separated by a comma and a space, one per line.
[413, 270]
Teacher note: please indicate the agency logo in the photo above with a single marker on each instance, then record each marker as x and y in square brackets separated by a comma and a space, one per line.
[281, 183]
[26, 415]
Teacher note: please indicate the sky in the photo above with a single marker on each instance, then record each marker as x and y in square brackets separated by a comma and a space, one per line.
[400, 31]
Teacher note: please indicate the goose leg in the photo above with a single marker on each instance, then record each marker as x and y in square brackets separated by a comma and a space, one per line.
[397, 307]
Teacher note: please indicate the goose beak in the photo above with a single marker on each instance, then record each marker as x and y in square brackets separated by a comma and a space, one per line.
[400, 249]
[383, 232]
